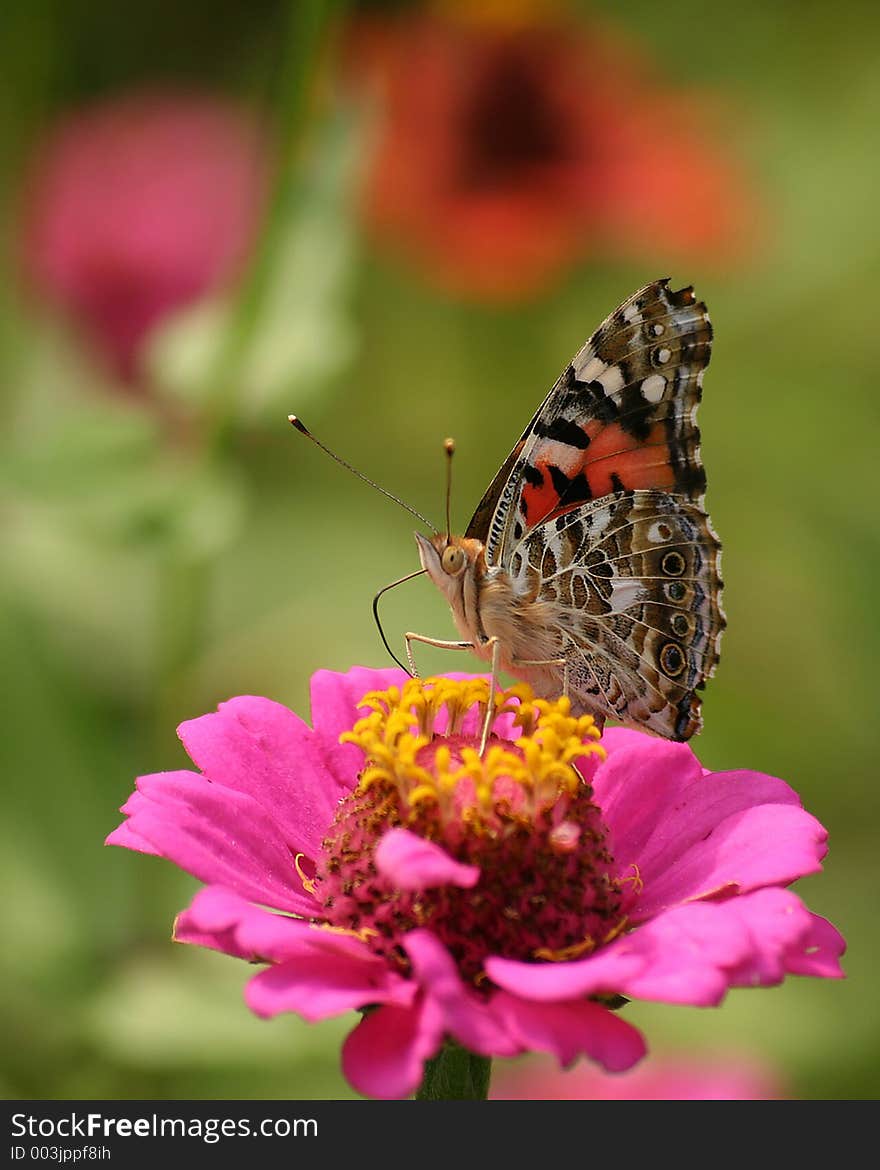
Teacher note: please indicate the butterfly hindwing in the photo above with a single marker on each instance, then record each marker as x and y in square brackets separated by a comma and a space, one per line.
[635, 580]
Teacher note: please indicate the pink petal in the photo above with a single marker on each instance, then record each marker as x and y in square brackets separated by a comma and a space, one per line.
[316, 972]
[690, 954]
[433, 966]
[787, 939]
[690, 834]
[772, 844]
[687, 954]
[324, 983]
[385, 1054]
[412, 863]
[465, 1015]
[334, 707]
[637, 786]
[126, 837]
[571, 1028]
[728, 1077]
[601, 974]
[683, 956]
[221, 836]
[263, 749]
[224, 921]
[823, 947]
[616, 739]
[651, 791]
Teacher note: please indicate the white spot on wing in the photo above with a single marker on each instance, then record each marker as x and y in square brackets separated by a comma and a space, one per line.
[625, 593]
[611, 381]
[656, 536]
[568, 459]
[631, 314]
[663, 355]
[588, 370]
[653, 388]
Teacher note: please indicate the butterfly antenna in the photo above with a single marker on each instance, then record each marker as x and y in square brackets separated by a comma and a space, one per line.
[449, 448]
[384, 589]
[300, 426]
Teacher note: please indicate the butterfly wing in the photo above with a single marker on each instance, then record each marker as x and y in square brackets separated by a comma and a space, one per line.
[622, 415]
[580, 511]
[633, 583]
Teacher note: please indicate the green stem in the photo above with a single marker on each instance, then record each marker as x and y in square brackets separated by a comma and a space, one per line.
[183, 594]
[456, 1075]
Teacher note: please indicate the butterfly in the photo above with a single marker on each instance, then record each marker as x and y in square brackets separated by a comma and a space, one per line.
[590, 566]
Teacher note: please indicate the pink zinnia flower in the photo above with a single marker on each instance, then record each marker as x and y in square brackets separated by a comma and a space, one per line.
[138, 206]
[670, 1078]
[503, 901]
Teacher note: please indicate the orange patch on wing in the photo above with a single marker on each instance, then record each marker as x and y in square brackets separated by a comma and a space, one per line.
[637, 463]
[539, 502]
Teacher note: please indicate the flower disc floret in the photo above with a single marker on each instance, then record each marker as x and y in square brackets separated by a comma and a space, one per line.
[520, 815]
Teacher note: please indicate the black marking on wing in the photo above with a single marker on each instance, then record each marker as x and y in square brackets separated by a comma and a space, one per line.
[571, 490]
[690, 477]
[636, 413]
[602, 405]
[563, 430]
[560, 481]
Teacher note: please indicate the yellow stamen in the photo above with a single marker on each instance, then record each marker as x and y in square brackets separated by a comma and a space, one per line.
[616, 930]
[537, 765]
[307, 883]
[364, 934]
[564, 954]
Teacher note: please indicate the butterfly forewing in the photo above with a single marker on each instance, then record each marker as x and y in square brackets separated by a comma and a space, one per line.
[622, 415]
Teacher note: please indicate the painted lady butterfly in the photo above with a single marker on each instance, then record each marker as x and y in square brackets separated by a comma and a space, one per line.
[590, 566]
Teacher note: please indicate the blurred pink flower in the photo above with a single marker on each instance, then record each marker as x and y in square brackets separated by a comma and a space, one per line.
[138, 206]
[671, 1078]
[500, 900]
[511, 143]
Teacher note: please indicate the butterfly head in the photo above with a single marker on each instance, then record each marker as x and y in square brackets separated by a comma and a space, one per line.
[454, 564]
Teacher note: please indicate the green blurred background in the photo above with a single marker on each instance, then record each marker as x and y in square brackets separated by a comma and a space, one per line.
[171, 542]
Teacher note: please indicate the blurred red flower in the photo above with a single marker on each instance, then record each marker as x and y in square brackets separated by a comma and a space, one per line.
[511, 142]
[138, 206]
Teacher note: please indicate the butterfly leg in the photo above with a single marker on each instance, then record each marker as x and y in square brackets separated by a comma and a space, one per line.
[493, 685]
[563, 662]
[438, 642]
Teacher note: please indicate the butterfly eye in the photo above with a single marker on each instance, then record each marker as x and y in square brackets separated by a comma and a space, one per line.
[453, 560]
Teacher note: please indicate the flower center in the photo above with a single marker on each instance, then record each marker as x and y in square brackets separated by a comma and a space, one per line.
[521, 812]
[512, 129]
